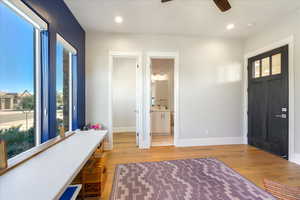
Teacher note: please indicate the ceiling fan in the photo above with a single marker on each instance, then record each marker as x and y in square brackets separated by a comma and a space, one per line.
[223, 5]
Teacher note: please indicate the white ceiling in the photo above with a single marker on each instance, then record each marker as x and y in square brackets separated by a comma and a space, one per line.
[181, 17]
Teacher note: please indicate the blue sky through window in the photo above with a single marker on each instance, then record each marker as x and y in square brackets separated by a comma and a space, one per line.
[16, 52]
[59, 67]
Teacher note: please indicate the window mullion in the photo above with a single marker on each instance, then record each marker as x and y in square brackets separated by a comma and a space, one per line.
[37, 87]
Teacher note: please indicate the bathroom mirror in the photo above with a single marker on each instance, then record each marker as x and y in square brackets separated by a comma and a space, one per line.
[161, 83]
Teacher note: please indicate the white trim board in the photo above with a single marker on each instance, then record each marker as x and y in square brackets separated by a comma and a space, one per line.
[138, 57]
[209, 141]
[295, 158]
[124, 129]
[287, 41]
[66, 44]
[24, 11]
[38, 87]
[162, 55]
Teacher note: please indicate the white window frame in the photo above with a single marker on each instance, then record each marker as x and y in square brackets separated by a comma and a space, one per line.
[24, 11]
[72, 51]
[27, 14]
[38, 88]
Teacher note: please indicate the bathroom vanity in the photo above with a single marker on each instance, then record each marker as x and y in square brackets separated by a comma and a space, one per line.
[161, 121]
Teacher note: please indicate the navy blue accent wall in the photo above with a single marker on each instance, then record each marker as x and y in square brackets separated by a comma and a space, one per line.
[61, 20]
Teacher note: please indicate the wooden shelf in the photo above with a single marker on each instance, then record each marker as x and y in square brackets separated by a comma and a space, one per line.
[93, 175]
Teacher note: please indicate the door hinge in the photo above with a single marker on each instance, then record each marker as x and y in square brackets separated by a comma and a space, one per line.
[137, 66]
[137, 134]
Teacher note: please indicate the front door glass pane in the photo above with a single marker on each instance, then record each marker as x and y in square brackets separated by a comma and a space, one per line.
[256, 69]
[276, 64]
[265, 67]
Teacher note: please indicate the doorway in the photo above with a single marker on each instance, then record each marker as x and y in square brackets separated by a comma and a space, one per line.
[125, 99]
[268, 101]
[162, 102]
[161, 108]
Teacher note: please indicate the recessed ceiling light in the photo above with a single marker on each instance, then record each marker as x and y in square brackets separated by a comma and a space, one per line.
[118, 19]
[230, 26]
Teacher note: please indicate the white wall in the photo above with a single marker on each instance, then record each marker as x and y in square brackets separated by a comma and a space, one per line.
[284, 28]
[124, 94]
[210, 86]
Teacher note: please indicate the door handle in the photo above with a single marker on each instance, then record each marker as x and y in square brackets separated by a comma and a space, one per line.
[283, 116]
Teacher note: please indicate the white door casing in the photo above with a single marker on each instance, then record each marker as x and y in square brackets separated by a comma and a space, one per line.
[139, 95]
[147, 93]
[286, 41]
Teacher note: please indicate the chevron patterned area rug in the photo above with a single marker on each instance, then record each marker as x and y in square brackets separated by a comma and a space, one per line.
[192, 179]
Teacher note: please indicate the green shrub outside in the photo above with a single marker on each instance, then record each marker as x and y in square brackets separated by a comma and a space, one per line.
[17, 141]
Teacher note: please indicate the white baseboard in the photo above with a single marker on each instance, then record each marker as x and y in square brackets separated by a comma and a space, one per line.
[209, 141]
[295, 158]
[123, 129]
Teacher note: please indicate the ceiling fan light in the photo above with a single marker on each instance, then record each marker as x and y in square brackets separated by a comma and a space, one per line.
[118, 19]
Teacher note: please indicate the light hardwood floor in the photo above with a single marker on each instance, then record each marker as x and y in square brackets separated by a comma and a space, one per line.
[162, 140]
[250, 162]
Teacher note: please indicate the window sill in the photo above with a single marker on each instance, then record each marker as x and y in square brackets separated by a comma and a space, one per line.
[23, 157]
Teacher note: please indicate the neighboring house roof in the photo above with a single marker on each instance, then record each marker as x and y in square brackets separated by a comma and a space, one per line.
[12, 94]
[26, 93]
[2, 93]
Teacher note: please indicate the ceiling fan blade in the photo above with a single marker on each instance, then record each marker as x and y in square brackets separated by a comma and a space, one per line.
[164, 1]
[223, 5]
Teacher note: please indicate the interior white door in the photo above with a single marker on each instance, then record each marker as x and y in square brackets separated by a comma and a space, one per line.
[150, 103]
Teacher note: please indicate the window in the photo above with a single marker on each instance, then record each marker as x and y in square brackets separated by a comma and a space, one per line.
[64, 84]
[19, 77]
[276, 64]
[267, 66]
[256, 69]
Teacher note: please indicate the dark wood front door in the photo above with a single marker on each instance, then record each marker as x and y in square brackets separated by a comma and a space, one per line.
[268, 101]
